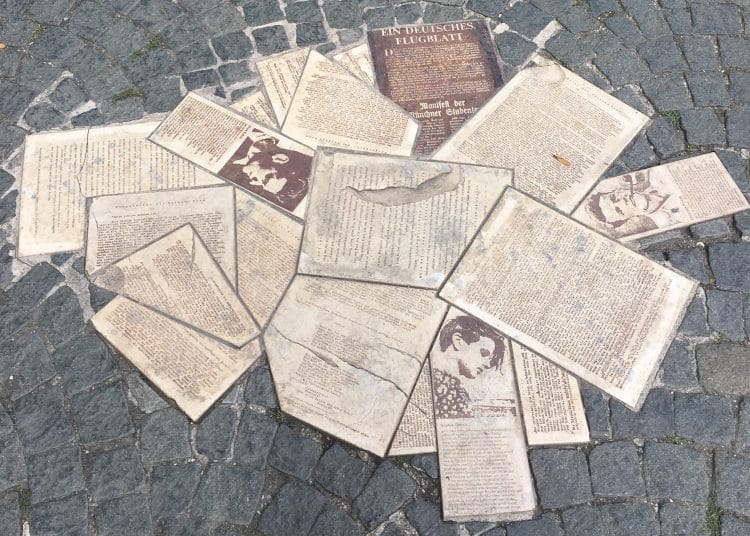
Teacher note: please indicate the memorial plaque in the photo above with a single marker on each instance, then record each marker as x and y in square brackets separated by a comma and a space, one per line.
[334, 108]
[121, 224]
[280, 75]
[345, 355]
[394, 220]
[416, 432]
[557, 131]
[256, 107]
[250, 156]
[61, 169]
[268, 245]
[177, 277]
[191, 368]
[553, 411]
[440, 73]
[484, 469]
[357, 61]
[581, 300]
[654, 200]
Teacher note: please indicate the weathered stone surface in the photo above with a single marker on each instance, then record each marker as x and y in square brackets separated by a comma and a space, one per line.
[597, 413]
[102, 415]
[68, 516]
[154, 14]
[10, 514]
[56, 473]
[700, 51]
[624, 519]
[214, 433]
[25, 364]
[407, 13]
[427, 463]
[232, 46]
[678, 370]
[229, 493]
[676, 472]
[622, 67]
[435, 13]
[738, 128]
[706, 419]
[654, 420]
[164, 437]
[662, 54]
[60, 316]
[388, 490]
[254, 439]
[691, 262]
[41, 421]
[708, 88]
[90, 19]
[711, 230]
[293, 453]
[12, 467]
[625, 29]
[341, 473]
[43, 117]
[727, 262]
[678, 519]
[525, 19]
[616, 471]
[56, 44]
[667, 139]
[115, 473]
[695, 321]
[260, 389]
[547, 525]
[723, 368]
[703, 127]
[739, 87]
[293, 510]
[639, 154]
[427, 519]
[83, 362]
[199, 79]
[334, 521]
[743, 430]
[733, 483]
[222, 18]
[733, 526]
[561, 476]
[258, 12]
[270, 40]
[311, 33]
[145, 397]
[125, 515]
[172, 487]
[513, 48]
[35, 284]
[725, 313]
[716, 19]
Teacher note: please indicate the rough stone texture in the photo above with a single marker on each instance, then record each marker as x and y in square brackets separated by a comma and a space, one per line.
[676, 472]
[733, 483]
[743, 430]
[172, 487]
[695, 321]
[294, 453]
[678, 370]
[334, 521]
[115, 473]
[616, 471]
[691, 262]
[68, 516]
[654, 420]
[341, 473]
[711, 230]
[164, 436]
[624, 519]
[41, 421]
[667, 139]
[677, 519]
[55, 473]
[427, 463]
[558, 488]
[25, 360]
[388, 490]
[704, 418]
[254, 439]
[427, 519]
[725, 313]
[12, 467]
[102, 415]
[144, 396]
[260, 389]
[546, 525]
[126, 515]
[293, 510]
[733, 526]
[723, 368]
[214, 435]
[228, 493]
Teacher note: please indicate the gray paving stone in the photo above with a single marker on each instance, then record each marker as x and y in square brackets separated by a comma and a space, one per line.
[656, 418]
[334, 521]
[26, 364]
[735, 52]
[700, 51]
[435, 13]
[392, 529]
[214, 433]
[293, 510]
[716, 18]
[254, 439]
[407, 13]
[145, 397]
[162, 98]
[708, 88]
[311, 33]
[695, 321]
[725, 313]
[60, 316]
[183, 31]
[547, 525]
[12, 467]
[6, 423]
[652, 23]
[514, 49]
[379, 17]
[733, 483]
[88, 119]
[90, 19]
[341, 473]
[184, 526]
[703, 127]
[387, 491]
[304, 11]
[489, 8]
[199, 79]
[55, 473]
[230, 493]
[223, 18]
[232, 46]
[41, 421]
[154, 14]
[17, 33]
[675, 472]
[67, 516]
[639, 154]
[625, 29]
[427, 519]
[10, 514]
[83, 362]
[126, 515]
[123, 38]
[739, 87]
[578, 19]
[599, 7]
[556, 488]
[36, 74]
[427, 463]
[706, 419]
[679, 20]
[733, 526]
[477, 527]
[107, 83]
[8, 206]
[172, 487]
[567, 48]
[11, 60]
[616, 471]
[597, 413]
[723, 368]
[164, 437]
[342, 13]
[270, 40]
[115, 473]
[668, 92]
[293, 453]
[6, 181]
[711, 230]
[738, 128]
[49, 11]
[67, 95]
[348, 36]
[258, 12]
[196, 56]
[727, 263]
[622, 519]
[526, 19]
[151, 65]
[630, 96]
[742, 222]
[662, 55]
[742, 443]
[678, 367]
[682, 520]
[590, 74]
[101, 415]
[14, 99]
[11, 136]
[691, 262]
[259, 388]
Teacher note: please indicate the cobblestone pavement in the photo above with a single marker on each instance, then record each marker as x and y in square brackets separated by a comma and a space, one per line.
[86, 447]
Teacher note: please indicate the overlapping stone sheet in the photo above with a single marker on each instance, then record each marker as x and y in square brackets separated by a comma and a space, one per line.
[121, 224]
[416, 431]
[484, 470]
[255, 105]
[579, 299]
[333, 108]
[62, 169]
[394, 220]
[177, 276]
[189, 367]
[647, 202]
[280, 75]
[556, 130]
[345, 355]
[358, 61]
[246, 154]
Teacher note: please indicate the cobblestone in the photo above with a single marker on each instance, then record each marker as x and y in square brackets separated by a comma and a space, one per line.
[388, 490]
[616, 471]
[676, 472]
[706, 419]
[558, 488]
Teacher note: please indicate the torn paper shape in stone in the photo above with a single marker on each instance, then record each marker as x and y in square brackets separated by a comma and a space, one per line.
[357, 61]
[334, 108]
[440, 73]
[256, 107]
[553, 411]
[268, 244]
[484, 469]
[657, 199]
[177, 276]
[571, 295]
[61, 169]
[345, 355]
[280, 75]
[121, 224]
[416, 431]
[556, 130]
[394, 220]
[191, 368]
[250, 156]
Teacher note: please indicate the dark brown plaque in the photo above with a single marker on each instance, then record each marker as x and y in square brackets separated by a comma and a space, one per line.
[440, 73]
